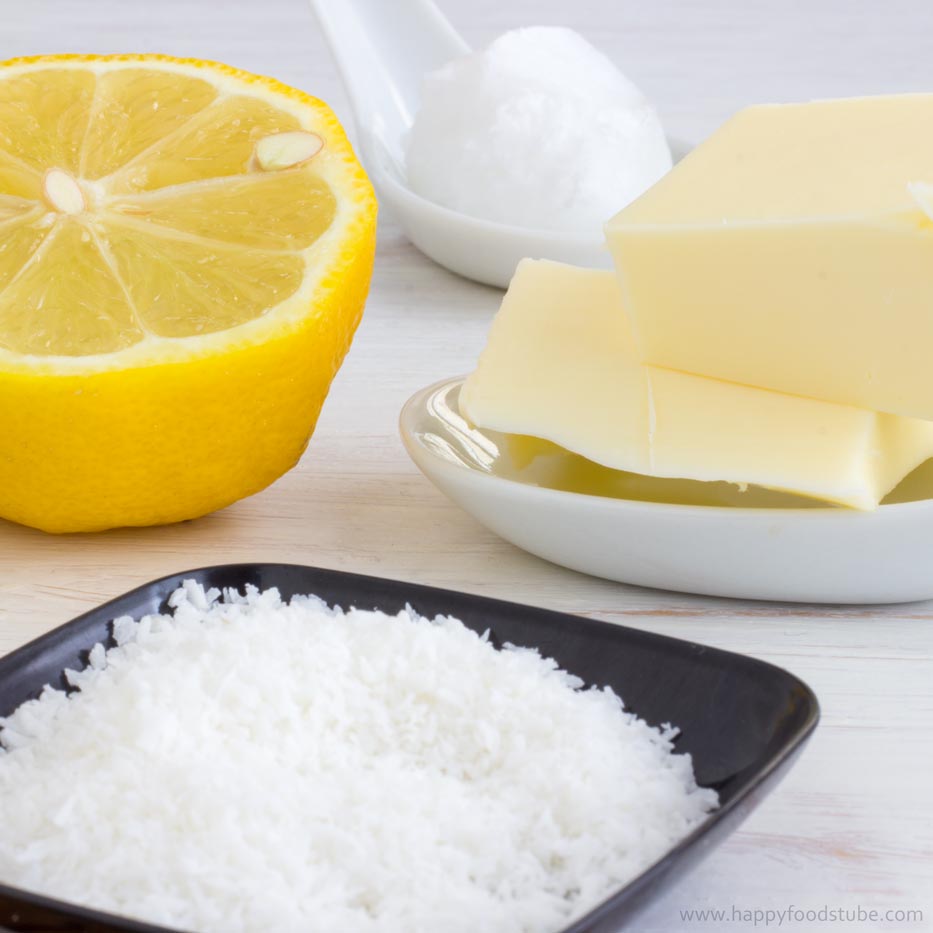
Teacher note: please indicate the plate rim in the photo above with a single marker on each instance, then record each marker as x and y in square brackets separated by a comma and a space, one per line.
[411, 439]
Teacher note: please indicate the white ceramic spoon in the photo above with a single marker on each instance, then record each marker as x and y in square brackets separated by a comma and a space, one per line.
[383, 48]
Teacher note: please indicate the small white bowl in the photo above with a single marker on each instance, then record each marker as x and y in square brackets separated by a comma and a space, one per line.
[804, 553]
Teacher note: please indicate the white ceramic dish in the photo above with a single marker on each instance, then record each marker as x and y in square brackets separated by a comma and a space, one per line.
[781, 548]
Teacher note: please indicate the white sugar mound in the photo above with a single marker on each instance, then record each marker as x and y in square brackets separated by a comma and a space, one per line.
[250, 765]
[539, 130]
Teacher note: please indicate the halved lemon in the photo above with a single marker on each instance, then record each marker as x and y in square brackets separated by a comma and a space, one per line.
[185, 250]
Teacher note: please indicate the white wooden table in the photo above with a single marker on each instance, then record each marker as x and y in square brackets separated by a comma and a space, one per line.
[853, 823]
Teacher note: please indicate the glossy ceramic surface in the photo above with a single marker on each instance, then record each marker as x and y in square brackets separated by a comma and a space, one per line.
[709, 538]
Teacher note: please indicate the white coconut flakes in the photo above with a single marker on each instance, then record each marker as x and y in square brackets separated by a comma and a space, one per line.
[247, 764]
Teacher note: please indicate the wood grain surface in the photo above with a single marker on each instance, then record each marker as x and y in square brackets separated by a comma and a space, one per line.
[852, 825]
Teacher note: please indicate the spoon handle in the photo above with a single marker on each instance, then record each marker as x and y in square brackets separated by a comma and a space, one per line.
[382, 51]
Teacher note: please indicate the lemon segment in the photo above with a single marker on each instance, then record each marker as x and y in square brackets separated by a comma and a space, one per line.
[20, 236]
[66, 301]
[216, 142]
[285, 210]
[44, 116]
[14, 209]
[172, 308]
[135, 109]
[17, 179]
[181, 288]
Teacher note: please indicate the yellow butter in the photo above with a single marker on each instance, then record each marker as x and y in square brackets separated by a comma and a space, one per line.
[793, 250]
[560, 364]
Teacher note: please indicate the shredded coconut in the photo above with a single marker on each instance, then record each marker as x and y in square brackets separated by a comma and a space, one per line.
[246, 764]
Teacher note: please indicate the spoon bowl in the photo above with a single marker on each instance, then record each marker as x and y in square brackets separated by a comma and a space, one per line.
[382, 52]
[482, 250]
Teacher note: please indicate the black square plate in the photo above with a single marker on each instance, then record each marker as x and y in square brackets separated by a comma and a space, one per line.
[742, 720]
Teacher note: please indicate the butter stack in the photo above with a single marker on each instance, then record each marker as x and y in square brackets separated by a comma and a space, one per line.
[769, 322]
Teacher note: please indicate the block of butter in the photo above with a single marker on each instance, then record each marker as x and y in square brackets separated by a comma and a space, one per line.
[793, 250]
[560, 364]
